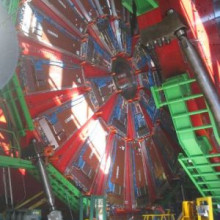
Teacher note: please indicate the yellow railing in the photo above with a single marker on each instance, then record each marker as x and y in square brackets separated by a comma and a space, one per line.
[159, 217]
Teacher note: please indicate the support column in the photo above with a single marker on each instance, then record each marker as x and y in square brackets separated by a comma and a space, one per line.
[54, 214]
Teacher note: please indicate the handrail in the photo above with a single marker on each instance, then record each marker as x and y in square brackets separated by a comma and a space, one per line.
[15, 138]
[162, 216]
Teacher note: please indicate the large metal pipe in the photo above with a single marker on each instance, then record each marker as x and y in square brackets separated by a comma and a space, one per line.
[201, 74]
[46, 183]
[10, 188]
[5, 185]
[45, 179]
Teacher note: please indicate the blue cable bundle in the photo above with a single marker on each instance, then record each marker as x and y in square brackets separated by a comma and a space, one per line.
[134, 177]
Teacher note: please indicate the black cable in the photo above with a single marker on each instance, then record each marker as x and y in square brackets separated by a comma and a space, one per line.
[133, 18]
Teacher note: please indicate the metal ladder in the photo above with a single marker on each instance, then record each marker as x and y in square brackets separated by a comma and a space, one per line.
[196, 160]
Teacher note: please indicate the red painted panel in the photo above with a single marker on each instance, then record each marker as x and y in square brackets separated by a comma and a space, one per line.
[69, 149]
[129, 191]
[38, 104]
[151, 186]
[40, 75]
[98, 187]
[166, 152]
[48, 11]
[139, 170]
[130, 126]
[118, 168]
[69, 14]
[116, 196]
[86, 163]
[94, 71]
[86, 8]
[91, 158]
[46, 31]
[201, 119]
[149, 19]
[155, 167]
[147, 118]
[108, 107]
[94, 32]
[171, 59]
[36, 49]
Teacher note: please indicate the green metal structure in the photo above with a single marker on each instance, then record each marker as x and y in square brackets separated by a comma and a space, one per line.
[12, 93]
[61, 187]
[143, 6]
[92, 207]
[196, 161]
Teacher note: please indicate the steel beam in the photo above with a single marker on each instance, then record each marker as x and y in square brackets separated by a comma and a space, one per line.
[46, 182]
[11, 162]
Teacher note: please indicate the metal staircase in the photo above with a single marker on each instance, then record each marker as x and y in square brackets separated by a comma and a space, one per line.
[203, 175]
[62, 188]
[196, 160]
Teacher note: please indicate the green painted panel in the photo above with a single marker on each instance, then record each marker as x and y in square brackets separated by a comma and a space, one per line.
[143, 6]
[197, 162]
